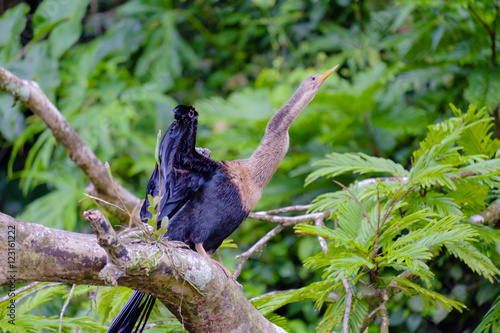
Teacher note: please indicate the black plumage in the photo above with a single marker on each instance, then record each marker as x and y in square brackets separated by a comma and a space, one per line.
[202, 204]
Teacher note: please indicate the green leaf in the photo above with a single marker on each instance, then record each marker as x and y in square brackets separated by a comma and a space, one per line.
[64, 36]
[12, 23]
[266, 305]
[228, 243]
[157, 149]
[278, 321]
[491, 319]
[428, 296]
[110, 301]
[478, 139]
[152, 205]
[51, 13]
[484, 88]
[163, 226]
[336, 164]
[476, 261]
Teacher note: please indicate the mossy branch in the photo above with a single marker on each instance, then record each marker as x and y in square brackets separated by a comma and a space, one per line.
[208, 302]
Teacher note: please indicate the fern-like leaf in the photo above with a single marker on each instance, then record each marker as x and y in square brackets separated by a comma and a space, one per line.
[491, 319]
[476, 261]
[428, 296]
[336, 164]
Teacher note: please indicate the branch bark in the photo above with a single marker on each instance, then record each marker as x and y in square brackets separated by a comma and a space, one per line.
[193, 288]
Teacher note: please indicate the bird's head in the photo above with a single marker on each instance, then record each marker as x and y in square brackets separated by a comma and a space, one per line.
[184, 128]
[311, 85]
[183, 112]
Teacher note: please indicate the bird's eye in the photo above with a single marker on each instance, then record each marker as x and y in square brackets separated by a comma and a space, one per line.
[313, 78]
[191, 113]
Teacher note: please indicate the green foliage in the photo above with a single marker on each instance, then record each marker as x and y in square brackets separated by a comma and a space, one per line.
[159, 227]
[334, 314]
[360, 163]
[427, 296]
[491, 321]
[387, 228]
[35, 298]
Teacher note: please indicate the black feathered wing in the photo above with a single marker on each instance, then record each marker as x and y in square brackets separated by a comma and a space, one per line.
[175, 186]
[183, 172]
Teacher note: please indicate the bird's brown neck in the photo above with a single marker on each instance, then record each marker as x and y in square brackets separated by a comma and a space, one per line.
[274, 145]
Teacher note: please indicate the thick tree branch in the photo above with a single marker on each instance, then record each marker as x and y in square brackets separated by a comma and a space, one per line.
[193, 288]
[29, 94]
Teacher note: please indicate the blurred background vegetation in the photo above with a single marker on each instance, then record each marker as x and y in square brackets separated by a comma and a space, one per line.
[115, 69]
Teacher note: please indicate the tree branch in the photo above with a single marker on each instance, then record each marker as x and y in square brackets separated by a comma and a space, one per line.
[29, 94]
[192, 287]
[348, 304]
[256, 247]
[319, 222]
[284, 221]
[384, 316]
[491, 32]
[20, 290]
[65, 306]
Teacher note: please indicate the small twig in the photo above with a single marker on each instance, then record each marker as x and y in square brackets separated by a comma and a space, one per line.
[132, 220]
[106, 202]
[219, 257]
[65, 306]
[373, 312]
[369, 181]
[20, 290]
[296, 208]
[284, 221]
[115, 188]
[319, 222]
[271, 293]
[287, 220]
[348, 304]
[485, 25]
[256, 247]
[43, 286]
[393, 201]
[148, 326]
[348, 291]
[384, 316]
[491, 32]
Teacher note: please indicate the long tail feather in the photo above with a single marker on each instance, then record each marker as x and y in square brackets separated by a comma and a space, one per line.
[136, 306]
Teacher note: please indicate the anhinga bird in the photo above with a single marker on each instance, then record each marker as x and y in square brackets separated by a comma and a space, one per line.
[206, 200]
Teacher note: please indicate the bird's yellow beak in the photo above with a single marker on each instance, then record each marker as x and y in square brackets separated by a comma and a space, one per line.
[328, 73]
